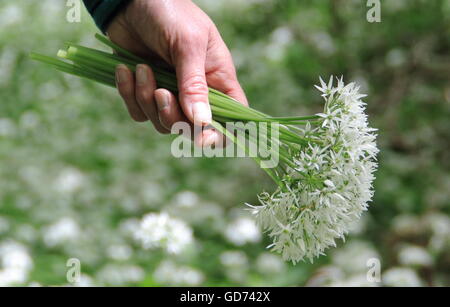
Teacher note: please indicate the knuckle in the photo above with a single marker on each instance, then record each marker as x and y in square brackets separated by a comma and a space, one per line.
[195, 85]
[143, 96]
[193, 35]
[189, 41]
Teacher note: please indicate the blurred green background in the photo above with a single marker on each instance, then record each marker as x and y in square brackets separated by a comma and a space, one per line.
[77, 175]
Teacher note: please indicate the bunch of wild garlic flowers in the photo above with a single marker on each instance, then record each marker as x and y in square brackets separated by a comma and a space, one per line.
[326, 161]
[331, 183]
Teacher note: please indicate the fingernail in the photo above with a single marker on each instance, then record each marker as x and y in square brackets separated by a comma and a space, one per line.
[162, 101]
[202, 113]
[211, 140]
[141, 75]
[121, 74]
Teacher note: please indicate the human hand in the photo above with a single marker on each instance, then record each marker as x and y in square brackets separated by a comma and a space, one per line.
[180, 34]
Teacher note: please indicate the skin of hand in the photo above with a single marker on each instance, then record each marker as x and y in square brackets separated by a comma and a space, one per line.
[180, 34]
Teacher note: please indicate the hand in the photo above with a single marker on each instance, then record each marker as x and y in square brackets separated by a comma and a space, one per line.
[180, 34]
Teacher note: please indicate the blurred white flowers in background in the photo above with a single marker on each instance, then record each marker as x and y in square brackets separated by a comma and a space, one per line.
[348, 268]
[85, 281]
[15, 264]
[186, 199]
[235, 264]
[62, 231]
[243, 230]
[414, 256]
[434, 224]
[129, 227]
[29, 120]
[10, 15]
[120, 252]
[352, 258]
[7, 126]
[188, 206]
[280, 40]
[8, 59]
[359, 280]
[401, 277]
[69, 180]
[169, 273]
[439, 226]
[268, 264]
[159, 230]
[116, 275]
[406, 224]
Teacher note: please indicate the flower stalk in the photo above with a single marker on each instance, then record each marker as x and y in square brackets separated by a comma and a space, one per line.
[100, 66]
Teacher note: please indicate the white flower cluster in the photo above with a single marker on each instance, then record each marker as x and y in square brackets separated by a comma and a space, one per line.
[64, 230]
[120, 274]
[15, 264]
[169, 273]
[401, 277]
[162, 231]
[332, 182]
[242, 231]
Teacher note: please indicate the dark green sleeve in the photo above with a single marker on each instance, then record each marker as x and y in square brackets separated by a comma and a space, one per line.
[103, 11]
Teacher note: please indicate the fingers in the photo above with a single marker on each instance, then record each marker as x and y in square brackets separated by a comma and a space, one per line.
[170, 113]
[221, 72]
[208, 138]
[145, 102]
[225, 80]
[125, 85]
[144, 89]
[190, 69]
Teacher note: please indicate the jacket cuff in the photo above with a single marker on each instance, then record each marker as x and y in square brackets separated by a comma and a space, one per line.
[103, 11]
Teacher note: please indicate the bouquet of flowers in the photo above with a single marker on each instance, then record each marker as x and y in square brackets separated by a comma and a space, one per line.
[326, 161]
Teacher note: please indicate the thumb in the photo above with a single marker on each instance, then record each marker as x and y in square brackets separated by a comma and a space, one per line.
[193, 89]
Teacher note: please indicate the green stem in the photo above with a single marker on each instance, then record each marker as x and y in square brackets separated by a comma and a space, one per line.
[231, 136]
[100, 66]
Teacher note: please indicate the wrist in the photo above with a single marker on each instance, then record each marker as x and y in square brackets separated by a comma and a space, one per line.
[136, 11]
[120, 20]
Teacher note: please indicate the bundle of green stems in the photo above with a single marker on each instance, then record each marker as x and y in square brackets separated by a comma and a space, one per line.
[100, 66]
